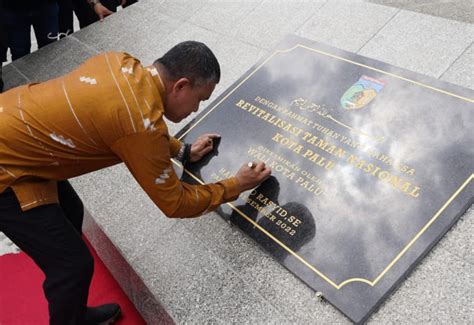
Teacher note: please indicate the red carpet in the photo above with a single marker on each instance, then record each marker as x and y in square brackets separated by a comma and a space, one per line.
[21, 294]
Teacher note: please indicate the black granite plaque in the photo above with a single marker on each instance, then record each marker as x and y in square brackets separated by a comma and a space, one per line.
[371, 165]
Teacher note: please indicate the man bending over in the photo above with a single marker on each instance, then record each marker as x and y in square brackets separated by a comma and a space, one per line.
[109, 110]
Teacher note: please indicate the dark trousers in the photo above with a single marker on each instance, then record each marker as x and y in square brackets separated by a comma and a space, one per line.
[51, 236]
[85, 14]
[3, 46]
[18, 22]
[65, 17]
[1, 78]
[129, 3]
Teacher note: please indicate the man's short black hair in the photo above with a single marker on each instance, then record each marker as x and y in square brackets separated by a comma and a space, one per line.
[192, 60]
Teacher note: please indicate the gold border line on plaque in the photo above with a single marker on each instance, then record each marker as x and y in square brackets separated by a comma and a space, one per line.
[318, 272]
[301, 259]
[330, 55]
[388, 73]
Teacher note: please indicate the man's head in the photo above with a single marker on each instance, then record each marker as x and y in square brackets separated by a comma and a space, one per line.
[190, 72]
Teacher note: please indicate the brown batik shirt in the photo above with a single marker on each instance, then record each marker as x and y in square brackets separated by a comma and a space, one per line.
[107, 111]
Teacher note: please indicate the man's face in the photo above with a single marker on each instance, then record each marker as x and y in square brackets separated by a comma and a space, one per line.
[184, 98]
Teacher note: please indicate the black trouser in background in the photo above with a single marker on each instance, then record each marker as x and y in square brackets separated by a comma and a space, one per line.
[85, 14]
[51, 236]
[17, 21]
[65, 17]
[3, 46]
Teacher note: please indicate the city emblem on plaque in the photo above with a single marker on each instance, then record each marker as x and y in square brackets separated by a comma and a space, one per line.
[361, 93]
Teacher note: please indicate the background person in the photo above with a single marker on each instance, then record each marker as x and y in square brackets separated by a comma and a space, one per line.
[3, 46]
[104, 8]
[19, 15]
[87, 12]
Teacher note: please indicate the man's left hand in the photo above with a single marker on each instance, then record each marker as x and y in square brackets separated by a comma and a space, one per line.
[202, 146]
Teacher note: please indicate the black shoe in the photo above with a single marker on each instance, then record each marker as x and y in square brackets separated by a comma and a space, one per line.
[102, 315]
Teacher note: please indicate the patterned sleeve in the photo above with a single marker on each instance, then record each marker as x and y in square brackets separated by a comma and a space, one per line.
[175, 145]
[147, 155]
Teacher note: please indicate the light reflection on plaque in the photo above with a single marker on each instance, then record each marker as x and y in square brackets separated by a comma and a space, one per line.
[371, 164]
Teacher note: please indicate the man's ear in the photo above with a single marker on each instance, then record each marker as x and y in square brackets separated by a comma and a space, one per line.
[181, 84]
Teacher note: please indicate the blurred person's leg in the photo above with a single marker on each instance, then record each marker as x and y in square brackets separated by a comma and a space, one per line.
[1, 78]
[17, 24]
[111, 4]
[45, 23]
[65, 17]
[129, 2]
[3, 46]
[86, 15]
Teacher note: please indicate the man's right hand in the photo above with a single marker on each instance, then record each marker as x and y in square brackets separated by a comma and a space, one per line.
[251, 176]
[101, 11]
